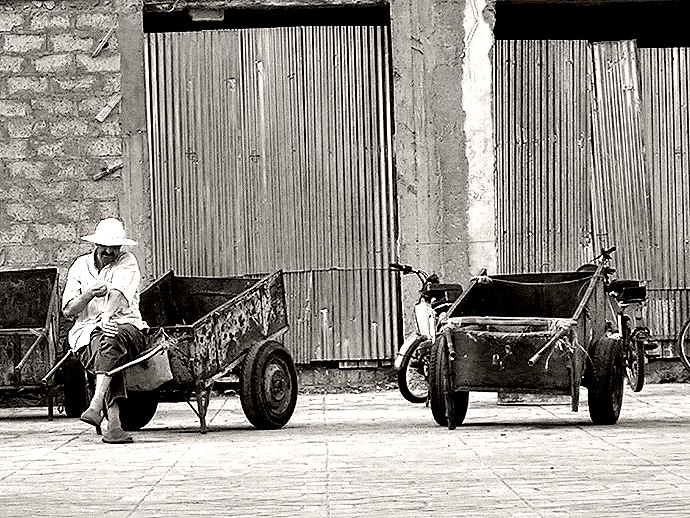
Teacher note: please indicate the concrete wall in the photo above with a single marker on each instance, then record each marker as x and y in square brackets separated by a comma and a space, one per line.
[443, 137]
[53, 84]
[52, 87]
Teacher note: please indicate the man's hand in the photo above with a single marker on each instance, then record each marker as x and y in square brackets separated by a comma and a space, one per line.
[109, 327]
[98, 290]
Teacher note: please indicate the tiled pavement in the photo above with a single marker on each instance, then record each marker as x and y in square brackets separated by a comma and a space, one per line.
[358, 455]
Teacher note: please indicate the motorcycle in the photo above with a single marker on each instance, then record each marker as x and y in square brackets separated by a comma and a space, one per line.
[412, 361]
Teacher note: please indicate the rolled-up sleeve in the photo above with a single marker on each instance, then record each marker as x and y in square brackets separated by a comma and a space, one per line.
[126, 277]
[72, 286]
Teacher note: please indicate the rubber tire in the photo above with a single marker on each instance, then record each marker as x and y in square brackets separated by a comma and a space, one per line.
[438, 376]
[684, 344]
[75, 387]
[137, 409]
[605, 392]
[403, 378]
[268, 386]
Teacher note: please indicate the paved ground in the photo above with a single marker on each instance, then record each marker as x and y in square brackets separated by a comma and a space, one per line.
[358, 455]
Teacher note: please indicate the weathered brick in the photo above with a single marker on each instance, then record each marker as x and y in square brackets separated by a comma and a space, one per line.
[13, 192]
[54, 64]
[9, 108]
[96, 21]
[111, 127]
[104, 146]
[70, 43]
[112, 84]
[72, 210]
[22, 212]
[81, 84]
[99, 64]
[83, 168]
[43, 21]
[13, 149]
[90, 106]
[10, 64]
[105, 189]
[66, 254]
[21, 43]
[54, 190]
[55, 231]
[20, 128]
[50, 149]
[35, 85]
[106, 208]
[54, 106]
[27, 169]
[12, 234]
[25, 256]
[8, 21]
[75, 127]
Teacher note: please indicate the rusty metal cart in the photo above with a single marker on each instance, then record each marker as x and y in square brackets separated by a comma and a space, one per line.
[29, 323]
[541, 333]
[208, 328]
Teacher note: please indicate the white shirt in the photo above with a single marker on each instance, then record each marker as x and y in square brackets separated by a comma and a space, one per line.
[122, 275]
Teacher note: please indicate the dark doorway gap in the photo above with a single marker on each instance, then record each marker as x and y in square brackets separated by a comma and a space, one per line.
[181, 21]
[651, 24]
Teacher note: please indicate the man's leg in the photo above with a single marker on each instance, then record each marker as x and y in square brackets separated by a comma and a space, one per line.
[94, 413]
[114, 433]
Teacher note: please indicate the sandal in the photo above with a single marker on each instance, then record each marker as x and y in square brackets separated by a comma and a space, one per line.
[117, 436]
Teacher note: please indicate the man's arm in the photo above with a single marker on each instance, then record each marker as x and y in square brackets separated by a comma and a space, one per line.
[78, 303]
[116, 301]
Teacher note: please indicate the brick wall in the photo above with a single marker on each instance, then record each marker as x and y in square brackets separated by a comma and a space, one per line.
[53, 84]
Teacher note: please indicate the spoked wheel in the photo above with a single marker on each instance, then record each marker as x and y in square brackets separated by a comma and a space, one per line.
[268, 386]
[633, 354]
[605, 392]
[448, 407]
[413, 376]
[684, 344]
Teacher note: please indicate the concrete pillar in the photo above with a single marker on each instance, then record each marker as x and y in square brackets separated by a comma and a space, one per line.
[443, 138]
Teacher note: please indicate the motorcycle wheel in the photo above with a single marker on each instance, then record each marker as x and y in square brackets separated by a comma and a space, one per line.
[413, 376]
[634, 364]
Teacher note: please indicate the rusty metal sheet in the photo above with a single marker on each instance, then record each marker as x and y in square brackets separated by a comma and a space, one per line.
[620, 192]
[666, 117]
[207, 323]
[542, 129]
[271, 149]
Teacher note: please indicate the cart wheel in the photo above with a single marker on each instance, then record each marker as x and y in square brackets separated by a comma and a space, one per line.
[75, 386]
[268, 386]
[413, 376]
[440, 397]
[137, 409]
[605, 392]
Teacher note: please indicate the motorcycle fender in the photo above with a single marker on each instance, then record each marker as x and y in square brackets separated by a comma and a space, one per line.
[408, 344]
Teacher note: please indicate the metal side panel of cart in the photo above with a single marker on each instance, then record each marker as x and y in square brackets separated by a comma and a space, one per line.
[214, 340]
[496, 354]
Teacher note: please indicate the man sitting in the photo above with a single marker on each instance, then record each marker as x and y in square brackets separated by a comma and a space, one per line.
[102, 294]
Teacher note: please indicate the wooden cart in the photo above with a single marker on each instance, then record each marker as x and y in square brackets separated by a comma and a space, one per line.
[543, 333]
[29, 323]
[207, 328]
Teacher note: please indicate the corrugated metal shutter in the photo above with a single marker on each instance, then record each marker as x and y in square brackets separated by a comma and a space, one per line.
[270, 148]
[665, 75]
[620, 198]
[543, 155]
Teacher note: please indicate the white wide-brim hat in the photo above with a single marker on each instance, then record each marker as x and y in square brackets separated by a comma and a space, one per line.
[109, 232]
